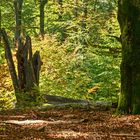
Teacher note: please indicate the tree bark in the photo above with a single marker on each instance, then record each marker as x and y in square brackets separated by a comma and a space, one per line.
[29, 71]
[0, 22]
[42, 6]
[18, 19]
[36, 66]
[28, 65]
[10, 62]
[129, 20]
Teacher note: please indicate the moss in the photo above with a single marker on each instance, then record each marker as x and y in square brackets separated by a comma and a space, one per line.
[129, 101]
[122, 105]
[136, 109]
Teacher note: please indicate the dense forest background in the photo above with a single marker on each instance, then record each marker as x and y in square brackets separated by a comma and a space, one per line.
[79, 47]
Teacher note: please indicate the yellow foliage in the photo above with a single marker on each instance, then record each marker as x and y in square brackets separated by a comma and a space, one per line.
[5, 79]
[93, 90]
[90, 91]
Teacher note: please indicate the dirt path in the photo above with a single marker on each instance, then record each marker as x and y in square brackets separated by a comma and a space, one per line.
[67, 124]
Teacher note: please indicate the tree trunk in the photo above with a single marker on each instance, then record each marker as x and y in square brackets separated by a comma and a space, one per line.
[0, 21]
[10, 62]
[18, 18]
[36, 66]
[42, 6]
[28, 65]
[129, 20]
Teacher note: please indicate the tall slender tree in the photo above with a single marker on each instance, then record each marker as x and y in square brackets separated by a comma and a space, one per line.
[18, 19]
[42, 6]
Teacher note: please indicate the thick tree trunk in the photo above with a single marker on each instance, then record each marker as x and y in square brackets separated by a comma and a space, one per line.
[42, 6]
[129, 20]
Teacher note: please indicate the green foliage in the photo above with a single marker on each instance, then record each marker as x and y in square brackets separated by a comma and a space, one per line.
[71, 73]
[84, 59]
[79, 51]
[7, 100]
[29, 99]
[1, 55]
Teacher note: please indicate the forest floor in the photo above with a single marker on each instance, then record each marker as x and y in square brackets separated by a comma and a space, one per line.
[68, 124]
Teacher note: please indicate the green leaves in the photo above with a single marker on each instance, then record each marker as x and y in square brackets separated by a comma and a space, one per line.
[78, 50]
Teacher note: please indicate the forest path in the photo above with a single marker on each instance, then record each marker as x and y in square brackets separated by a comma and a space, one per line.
[67, 124]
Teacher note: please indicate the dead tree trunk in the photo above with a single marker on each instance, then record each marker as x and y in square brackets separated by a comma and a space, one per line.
[10, 62]
[36, 61]
[28, 65]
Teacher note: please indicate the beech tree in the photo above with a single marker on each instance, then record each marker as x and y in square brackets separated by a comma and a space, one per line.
[129, 20]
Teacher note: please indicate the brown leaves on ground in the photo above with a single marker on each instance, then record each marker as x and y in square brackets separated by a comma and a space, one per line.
[67, 124]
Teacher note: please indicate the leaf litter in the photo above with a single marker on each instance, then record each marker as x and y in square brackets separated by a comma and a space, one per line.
[68, 124]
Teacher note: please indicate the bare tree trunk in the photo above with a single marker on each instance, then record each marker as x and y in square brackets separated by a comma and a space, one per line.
[28, 65]
[18, 19]
[36, 66]
[10, 62]
[42, 6]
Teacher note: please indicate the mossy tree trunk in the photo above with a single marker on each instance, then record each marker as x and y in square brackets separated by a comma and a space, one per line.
[129, 20]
